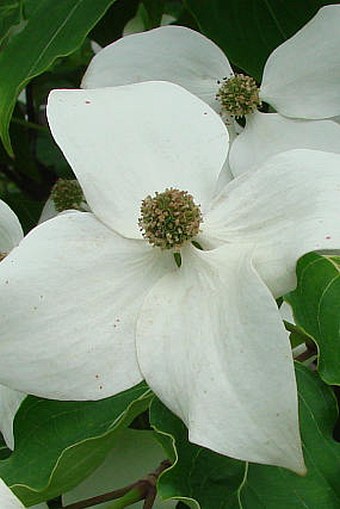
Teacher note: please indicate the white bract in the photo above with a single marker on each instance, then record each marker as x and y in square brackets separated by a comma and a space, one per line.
[300, 80]
[10, 401]
[10, 229]
[10, 235]
[88, 308]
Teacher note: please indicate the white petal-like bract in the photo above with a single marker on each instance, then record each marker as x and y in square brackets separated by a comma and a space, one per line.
[10, 229]
[173, 53]
[10, 401]
[288, 207]
[125, 143]
[211, 328]
[301, 77]
[70, 294]
[267, 134]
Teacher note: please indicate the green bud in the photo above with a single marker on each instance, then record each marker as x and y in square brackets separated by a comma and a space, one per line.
[67, 194]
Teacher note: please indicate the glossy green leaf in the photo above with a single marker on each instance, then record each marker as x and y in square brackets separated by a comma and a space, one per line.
[59, 443]
[200, 477]
[276, 488]
[316, 308]
[215, 481]
[249, 30]
[55, 29]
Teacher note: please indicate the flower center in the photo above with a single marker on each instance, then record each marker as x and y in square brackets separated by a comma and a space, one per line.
[169, 219]
[67, 194]
[239, 95]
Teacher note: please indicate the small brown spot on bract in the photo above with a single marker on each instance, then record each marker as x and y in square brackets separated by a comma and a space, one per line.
[6, 282]
[205, 113]
[97, 376]
[100, 387]
[87, 102]
[328, 237]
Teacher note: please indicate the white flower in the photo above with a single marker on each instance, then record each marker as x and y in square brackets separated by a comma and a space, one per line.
[88, 308]
[300, 80]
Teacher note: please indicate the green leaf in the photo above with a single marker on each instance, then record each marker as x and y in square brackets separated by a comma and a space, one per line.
[316, 308]
[10, 14]
[56, 28]
[198, 474]
[277, 488]
[248, 31]
[30, 6]
[59, 443]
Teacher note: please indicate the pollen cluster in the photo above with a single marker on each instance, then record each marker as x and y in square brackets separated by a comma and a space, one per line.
[239, 95]
[169, 219]
[67, 194]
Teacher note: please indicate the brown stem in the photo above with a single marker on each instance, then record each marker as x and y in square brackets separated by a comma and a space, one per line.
[152, 482]
[147, 488]
[112, 495]
[150, 498]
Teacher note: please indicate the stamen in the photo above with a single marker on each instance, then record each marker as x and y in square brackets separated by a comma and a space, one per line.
[169, 219]
[239, 95]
